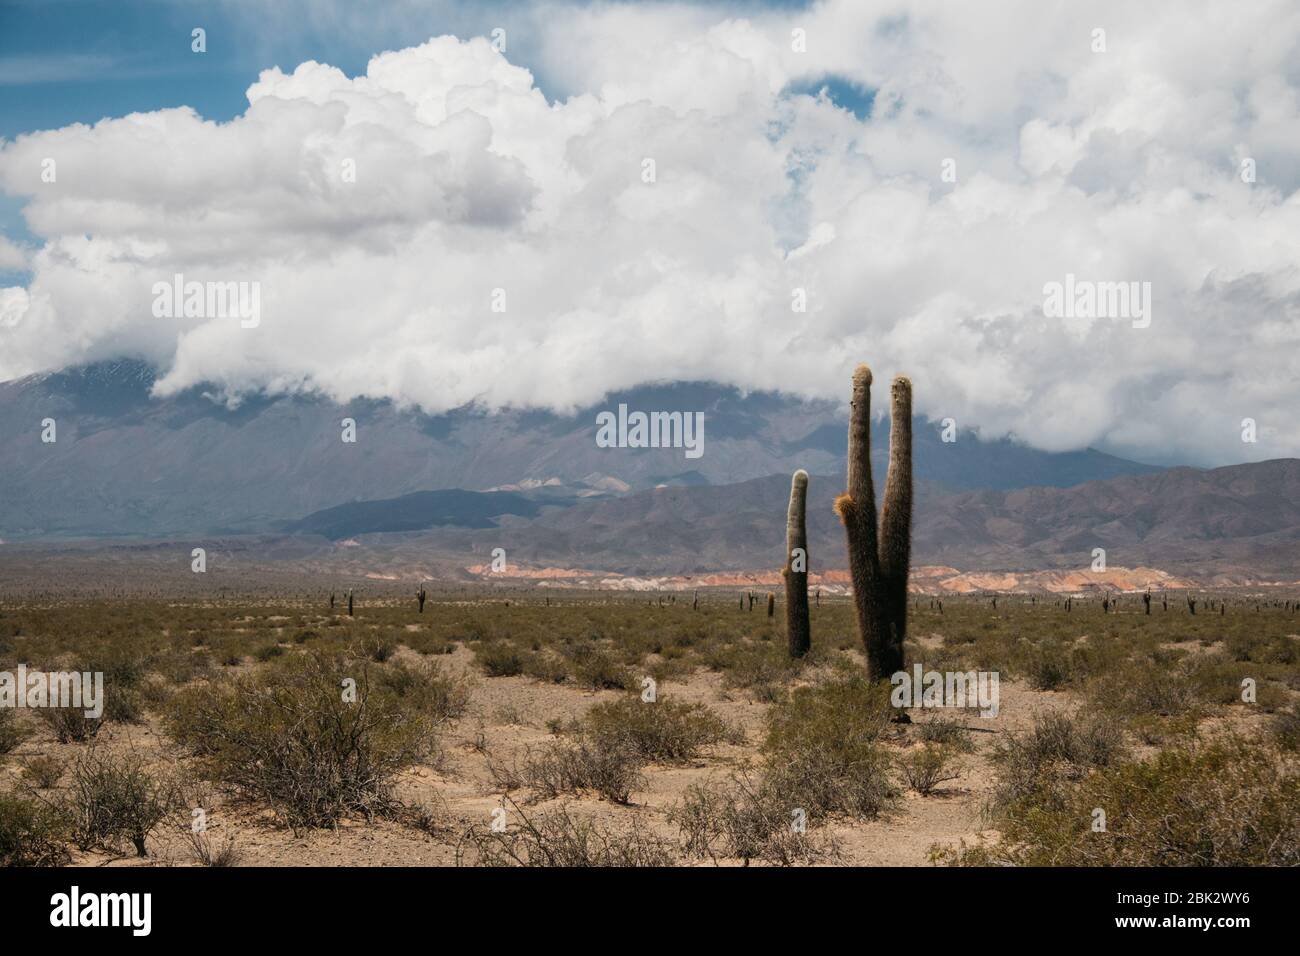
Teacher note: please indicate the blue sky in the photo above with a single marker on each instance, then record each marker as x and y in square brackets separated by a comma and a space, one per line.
[67, 61]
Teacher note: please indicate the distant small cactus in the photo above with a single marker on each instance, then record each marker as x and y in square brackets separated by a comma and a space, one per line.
[771, 604]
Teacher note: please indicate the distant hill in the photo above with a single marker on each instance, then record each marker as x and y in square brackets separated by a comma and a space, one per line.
[416, 512]
[1227, 521]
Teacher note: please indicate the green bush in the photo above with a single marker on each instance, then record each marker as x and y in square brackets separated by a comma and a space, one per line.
[1227, 803]
[926, 767]
[425, 689]
[292, 737]
[665, 730]
[823, 748]
[43, 771]
[609, 768]
[1058, 748]
[1146, 688]
[499, 658]
[31, 833]
[560, 839]
[596, 668]
[12, 733]
[745, 819]
[70, 724]
[114, 798]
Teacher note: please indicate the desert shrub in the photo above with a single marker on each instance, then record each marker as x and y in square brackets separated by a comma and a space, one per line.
[123, 665]
[378, 648]
[762, 669]
[70, 724]
[426, 689]
[558, 838]
[823, 751]
[31, 833]
[43, 771]
[926, 767]
[550, 668]
[181, 667]
[303, 636]
[499, 658]
[745, 819]
[12, 733]
[1219, 681]
[669, 669]
[609, 768]
[1059, 748]
[124, 705]
[1049, 667]
[1227, 803]
[423, 642]
[1285, 729]
[292, 737]
[1259, 649]
[113, 798]
[1146, 688]
[208, 851]
[948, 731]
[596, 668]
[269, 652]
[665, 730]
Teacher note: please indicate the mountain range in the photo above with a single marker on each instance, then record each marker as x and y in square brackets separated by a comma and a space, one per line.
[272, 476]
[126, 463]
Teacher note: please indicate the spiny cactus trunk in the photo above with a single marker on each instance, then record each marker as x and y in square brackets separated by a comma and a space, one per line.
[797, 629]
[896, 517]
[771, 604]
[857, 510]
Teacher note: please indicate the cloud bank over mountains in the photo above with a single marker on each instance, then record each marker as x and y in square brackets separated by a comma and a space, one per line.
[473, 192]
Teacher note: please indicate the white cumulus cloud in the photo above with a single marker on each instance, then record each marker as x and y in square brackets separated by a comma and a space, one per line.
[471, 188]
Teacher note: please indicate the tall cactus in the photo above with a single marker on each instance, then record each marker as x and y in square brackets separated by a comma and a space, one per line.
[896, 514]
[798, 632]
[874, 594]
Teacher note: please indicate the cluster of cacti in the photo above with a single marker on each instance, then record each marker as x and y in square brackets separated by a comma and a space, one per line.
[878, 562]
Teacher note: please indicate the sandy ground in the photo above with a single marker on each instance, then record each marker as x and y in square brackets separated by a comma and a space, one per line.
[508, 714]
